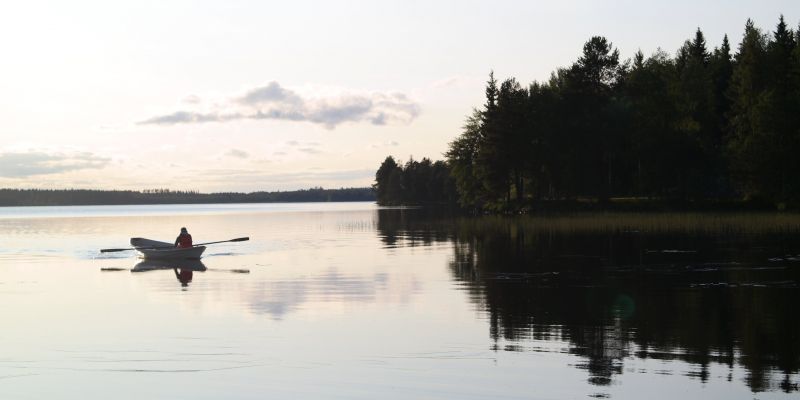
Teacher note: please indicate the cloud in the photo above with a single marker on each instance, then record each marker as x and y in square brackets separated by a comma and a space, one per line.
[309, 150]
[272, 93]
[298, 179]
[185, 117]
[281, 297]
[192, 99]
[391, 143]
[236, 153]
[33, 163]
[276, 102]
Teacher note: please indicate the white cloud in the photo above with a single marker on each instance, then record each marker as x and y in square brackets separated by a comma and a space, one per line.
[276, 102]
[309, 150]
[192, 99]
[272, 93]
[298, 179]
[34, 163]
[236, 153]
[391, 143]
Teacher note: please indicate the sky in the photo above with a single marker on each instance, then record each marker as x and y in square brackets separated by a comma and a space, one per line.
[260, 95]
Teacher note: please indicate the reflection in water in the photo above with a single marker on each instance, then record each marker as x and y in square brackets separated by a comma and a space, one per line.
[280, 297]
[183, 269]
[669, 288]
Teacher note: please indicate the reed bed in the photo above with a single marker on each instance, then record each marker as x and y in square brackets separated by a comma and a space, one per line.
[684, 222]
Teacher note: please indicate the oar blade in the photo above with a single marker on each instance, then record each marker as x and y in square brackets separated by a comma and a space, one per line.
[112, 250]
[241, 239]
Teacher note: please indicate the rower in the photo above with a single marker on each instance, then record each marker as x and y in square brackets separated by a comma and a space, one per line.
[184, 239]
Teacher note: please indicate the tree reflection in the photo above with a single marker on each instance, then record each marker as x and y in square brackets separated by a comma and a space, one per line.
[712, 297]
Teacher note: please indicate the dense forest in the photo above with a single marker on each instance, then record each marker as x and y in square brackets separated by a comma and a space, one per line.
[702, 125]
[417, 182]
[37, 197]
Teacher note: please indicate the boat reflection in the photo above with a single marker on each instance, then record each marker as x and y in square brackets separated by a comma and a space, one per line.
[184, 269]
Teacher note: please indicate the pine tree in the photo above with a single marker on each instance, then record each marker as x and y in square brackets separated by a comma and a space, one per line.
[591, 84]
[513, 135]
[387, 182]
[697, 48]
[638, 60]
[778, 112]
[697, 123]
[748, 143]
[658, 160]
[492, 167]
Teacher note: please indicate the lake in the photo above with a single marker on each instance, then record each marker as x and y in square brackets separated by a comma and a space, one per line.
[354, 301]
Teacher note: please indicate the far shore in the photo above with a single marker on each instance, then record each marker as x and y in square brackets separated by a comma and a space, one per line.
[88, 197]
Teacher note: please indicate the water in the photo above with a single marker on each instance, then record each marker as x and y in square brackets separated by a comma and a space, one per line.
[351, 301]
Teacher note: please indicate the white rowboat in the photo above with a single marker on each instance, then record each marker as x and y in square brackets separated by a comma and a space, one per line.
[157, 250]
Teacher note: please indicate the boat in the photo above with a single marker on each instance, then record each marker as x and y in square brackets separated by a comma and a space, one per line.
[157, 250]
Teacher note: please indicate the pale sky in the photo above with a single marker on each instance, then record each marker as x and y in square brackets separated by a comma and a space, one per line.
[248, 96]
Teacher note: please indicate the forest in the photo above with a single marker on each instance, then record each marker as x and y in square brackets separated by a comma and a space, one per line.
[704, 125]
[44, 197]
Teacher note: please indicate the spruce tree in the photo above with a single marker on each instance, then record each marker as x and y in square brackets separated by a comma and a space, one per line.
[492, 166]
[697, 48]
[748, 143]
[387, 183]
[779, 111]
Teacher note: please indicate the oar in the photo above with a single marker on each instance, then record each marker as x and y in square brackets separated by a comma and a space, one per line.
[241, 239]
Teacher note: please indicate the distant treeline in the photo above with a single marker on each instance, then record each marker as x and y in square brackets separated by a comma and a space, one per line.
[702, 125]
[43, 197]
[416, 182]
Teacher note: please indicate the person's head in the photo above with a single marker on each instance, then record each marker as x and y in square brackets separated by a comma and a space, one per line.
[183, 230]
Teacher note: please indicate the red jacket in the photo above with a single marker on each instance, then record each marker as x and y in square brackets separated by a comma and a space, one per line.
[183, 240]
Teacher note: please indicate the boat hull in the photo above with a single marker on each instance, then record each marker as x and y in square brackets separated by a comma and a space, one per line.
[157, 250]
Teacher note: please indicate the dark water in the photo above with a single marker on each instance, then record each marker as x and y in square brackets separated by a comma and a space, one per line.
[620, 289]
[354, 301]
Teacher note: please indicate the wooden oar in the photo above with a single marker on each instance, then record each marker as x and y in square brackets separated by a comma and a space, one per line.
[241, 239]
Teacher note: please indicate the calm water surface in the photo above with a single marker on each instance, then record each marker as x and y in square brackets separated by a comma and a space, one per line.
[350, 301]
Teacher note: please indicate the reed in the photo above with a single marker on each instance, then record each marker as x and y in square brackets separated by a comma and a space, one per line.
[685, 223]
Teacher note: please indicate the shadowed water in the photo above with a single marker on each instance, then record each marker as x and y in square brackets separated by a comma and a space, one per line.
[351, 301]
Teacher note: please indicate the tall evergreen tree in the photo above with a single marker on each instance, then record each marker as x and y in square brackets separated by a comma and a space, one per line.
[721, 66]
[462, 157]
[697, 48]
[512, 132]
[492, 166]
[658, 159]
[590, 91]
[697, 122]
[544, 155]
[748, 143]
[388, 182]
[779, 111]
